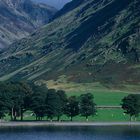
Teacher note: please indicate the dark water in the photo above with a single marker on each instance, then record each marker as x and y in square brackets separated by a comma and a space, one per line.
[71, 133]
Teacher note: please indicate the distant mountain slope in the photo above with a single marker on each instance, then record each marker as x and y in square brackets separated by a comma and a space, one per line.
[55, 3]
[97, 41]
[68, 7]
[18, 18]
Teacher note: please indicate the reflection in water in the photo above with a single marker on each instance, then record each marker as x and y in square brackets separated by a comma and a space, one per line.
[71, 133]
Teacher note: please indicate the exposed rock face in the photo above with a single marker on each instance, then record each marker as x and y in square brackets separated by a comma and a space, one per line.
[18, 18]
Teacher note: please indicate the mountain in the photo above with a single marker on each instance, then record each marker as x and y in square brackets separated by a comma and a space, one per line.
[68, 7]
[18, 18]
[89, 41]
[55, 3]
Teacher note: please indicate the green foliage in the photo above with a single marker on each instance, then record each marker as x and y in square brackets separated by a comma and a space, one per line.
[38, 105]
[131, 105]
[53, 104]
[47, 102]
[2, 106]
[14, 97]
[72, 107]
[87, 105]
[18, 94]
[62, 101]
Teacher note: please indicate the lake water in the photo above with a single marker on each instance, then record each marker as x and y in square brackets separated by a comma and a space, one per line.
[71, 133]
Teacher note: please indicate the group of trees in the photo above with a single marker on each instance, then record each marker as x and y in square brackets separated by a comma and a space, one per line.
[14, 99]
[19, 97]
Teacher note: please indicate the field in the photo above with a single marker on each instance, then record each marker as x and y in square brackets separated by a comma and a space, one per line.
[104, 98]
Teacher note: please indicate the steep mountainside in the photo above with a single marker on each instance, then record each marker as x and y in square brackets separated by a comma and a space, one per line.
[18, 18]
[94, 41]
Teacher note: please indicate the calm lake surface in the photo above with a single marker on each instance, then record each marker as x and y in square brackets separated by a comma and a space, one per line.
[71, 133]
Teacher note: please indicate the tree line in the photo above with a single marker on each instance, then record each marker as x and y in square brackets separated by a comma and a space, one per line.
[19, 97]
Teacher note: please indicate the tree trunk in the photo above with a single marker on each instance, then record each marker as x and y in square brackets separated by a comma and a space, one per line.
[12, 114]
[58, 118]
[135, 118]
[51, 118]
[39, 118]
[21, 114]
[87, 118]
[15, 116]
[131, 118]
[71, 118]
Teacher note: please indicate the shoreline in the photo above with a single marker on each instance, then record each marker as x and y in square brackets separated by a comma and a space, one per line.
[39, 124]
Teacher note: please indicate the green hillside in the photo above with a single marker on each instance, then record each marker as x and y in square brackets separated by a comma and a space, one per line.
[88, 41]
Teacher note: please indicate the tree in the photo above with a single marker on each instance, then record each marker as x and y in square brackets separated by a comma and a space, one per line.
[131, 105]
[87, 105]
[38, 106]
[17, 93]
[38, 101]
[8, 90]
[72, 108]
[3, 100]
[2, 106]
[62, 100]
[16, 100]
[53, 104]
[2, 112]
[25, 91]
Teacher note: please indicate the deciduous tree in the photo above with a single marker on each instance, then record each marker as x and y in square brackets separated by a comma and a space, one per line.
[131, 105]
[87, 105]
[72, 108]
